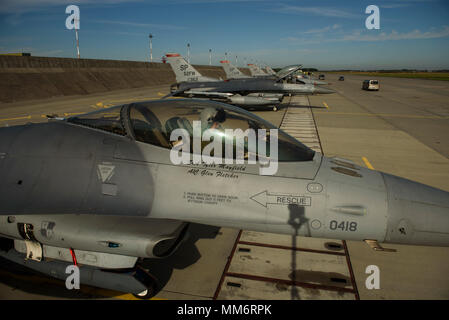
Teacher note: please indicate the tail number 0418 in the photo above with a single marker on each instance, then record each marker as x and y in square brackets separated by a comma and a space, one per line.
[343, 226]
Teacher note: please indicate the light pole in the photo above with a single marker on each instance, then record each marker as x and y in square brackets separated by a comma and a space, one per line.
[210, 57]
[151, 48]
[77, 43]
[236, 64]
[188, 52]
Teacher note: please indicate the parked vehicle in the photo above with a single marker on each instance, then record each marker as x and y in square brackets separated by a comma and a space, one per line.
[370, 85]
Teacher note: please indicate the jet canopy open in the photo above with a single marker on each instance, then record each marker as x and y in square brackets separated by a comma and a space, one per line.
[153, 123]
[288, 70]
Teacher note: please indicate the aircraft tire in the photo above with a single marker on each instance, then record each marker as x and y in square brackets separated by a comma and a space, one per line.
[148, 293]
[151, 284]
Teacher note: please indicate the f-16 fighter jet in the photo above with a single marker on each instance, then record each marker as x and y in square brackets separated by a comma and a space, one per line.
[299, 77]
[231, 71]
[293, 77]
[247, 93]
[256, 71]
[268, 70]
[103, 189]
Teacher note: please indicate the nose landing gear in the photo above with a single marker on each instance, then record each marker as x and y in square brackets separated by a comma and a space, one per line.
[148, 280]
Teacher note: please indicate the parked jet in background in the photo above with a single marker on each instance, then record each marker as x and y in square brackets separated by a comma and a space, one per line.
[299, 77]
[184, 71]
[256, 71]
[270, 71]
[231, 71]
[296, 77]
[246, 92]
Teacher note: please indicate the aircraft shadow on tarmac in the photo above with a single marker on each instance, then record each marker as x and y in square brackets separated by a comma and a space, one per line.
[26, 280]
[186, 255]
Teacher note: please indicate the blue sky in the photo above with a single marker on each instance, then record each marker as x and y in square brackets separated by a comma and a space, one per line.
[317, 33]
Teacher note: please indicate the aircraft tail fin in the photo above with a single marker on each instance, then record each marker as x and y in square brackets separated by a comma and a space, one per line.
[231, 71]
[255, 70]
[182, 69]
[269, 70]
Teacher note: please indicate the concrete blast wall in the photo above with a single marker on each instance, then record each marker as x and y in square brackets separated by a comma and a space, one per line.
[25, 78]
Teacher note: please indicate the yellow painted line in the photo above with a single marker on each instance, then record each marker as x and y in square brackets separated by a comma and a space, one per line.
[325, 104]
[160, 94]
[73, 113]
[18, 118]
[367, 163]
[393, 115]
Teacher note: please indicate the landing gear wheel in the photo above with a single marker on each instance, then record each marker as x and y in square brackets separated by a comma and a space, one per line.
[275, 108]
[148, 293]
[150, 283]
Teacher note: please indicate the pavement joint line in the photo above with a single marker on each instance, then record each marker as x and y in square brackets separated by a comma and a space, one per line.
[367, 163]
[351, 271]
[291, 282]
[258, 244]
[228, 264]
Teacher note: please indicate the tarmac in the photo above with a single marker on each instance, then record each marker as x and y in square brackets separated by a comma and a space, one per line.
[400, 129]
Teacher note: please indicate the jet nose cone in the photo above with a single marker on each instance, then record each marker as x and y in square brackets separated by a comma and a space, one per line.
[323, 90]
[417, 214]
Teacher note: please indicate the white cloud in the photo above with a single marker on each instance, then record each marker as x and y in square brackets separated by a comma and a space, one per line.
[323, 30]
[22, 6]
[318, 11]
[144, 25]
[394, 35]
[368, 36]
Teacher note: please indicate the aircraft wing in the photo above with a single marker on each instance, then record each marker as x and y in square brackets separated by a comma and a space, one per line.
[208, 94]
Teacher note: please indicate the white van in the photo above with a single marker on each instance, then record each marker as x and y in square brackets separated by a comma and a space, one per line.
[370, 85]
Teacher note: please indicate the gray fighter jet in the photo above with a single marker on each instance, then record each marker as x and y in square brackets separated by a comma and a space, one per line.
[247, 93]
[101, 190]
[231, 71]
[292, 77]
[256, 71]
[184, 71]
[299, 77]
[268, 70]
